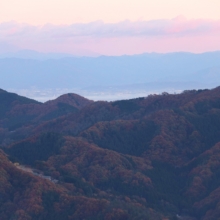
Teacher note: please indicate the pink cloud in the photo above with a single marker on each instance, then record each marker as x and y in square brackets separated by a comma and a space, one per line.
[125, 37]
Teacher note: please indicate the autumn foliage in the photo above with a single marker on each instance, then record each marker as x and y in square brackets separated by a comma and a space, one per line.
[146, 158]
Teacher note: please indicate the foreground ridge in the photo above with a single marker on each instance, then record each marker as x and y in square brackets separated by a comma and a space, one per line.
[154, 157]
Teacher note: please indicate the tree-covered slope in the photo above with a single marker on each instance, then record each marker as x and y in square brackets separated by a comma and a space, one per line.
[146, 158]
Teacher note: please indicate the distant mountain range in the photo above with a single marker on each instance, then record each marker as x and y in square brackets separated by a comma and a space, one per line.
[31, 54]
[172, 71]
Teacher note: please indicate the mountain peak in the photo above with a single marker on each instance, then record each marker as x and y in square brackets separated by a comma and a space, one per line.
[71, 99]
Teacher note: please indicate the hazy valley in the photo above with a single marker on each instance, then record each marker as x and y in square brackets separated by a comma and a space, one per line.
[47, 76]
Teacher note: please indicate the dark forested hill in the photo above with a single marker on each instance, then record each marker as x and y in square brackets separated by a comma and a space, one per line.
[154, 157]
[8, 100]
[18, 112]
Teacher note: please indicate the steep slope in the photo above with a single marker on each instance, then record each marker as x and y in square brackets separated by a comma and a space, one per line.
[152, 157]
[9, 100]
[80, 192]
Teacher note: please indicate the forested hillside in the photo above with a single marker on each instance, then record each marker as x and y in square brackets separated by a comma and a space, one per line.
[154, 157]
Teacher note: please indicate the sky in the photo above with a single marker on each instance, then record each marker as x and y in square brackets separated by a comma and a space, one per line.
[116, 27]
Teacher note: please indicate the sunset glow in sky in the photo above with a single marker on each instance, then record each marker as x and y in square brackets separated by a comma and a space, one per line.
[110, 27]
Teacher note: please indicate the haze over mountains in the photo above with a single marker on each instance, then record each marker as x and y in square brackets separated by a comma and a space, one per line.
[109, 110]
[43, 76]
